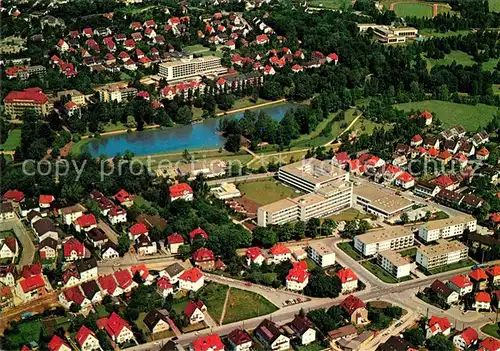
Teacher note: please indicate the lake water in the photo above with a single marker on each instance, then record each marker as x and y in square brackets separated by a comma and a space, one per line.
[194, 136]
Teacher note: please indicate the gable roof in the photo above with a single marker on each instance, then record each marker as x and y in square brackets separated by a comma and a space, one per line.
[442, 322]
[441, 288]
[239, 337]
[351, 303]
[108, 283]
[174, 269]
[208, 343]
[74, 294]
[123, 278]
[138, 229]
[115, 324]
[469, 335]
[301, 324]
[268, 330]
[90, 288]
[32, 283]
[153, 317]
[279, 249]
[461, 281]
[56, 342]
[203, 254]
[192, 275]
[346, 275]
[192, 306]
[83, 334]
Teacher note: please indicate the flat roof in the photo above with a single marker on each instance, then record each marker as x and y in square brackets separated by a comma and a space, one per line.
[454, 220]
[395, 258]
[382, 199]
[443, 247]
[186, 61]
[384, 234]
[279, 205]
[321, 249]
[313, 170]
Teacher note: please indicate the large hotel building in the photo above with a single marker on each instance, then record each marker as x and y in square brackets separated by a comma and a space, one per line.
[16, 102]
[328, 188]
[447, 228]
[190, 68]
[393, 238]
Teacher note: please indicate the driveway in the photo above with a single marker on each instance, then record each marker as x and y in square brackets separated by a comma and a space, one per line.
[110, 233]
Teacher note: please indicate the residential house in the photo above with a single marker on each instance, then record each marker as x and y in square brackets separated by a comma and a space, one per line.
[426, 189]
[71, 213]
[87, 340]
[348, 279]
[137, 230]
[9, 248]
[108, 285]
[117, 215]
[174, 241]
[47, 250]
[405, 180]
[27, 206]
[297, 278]
[240, 340]
[356, 310]
[144, 246]
[479, 278]
[45, 228]
[44, 201]
[7, 275]
[74, 295]
[279, 253]
[207, 343]
[85, 222]
[173, 272]
[14, 196]
[181, 191]
[58, 344]
[204, 258]
[193, 312]
[192, 279]
[304, 329]
[466, 339]
[70, 277]
[254, 256]
[117, 328]
[92, 292]
[73, 249]
[489, 344]
[444, 292]
[124, 198]
[109, 251]
[125, 280]
[461, 284]
[437, 325]
[31, 288]
[87, 269]
[6, 211]
[271, 336]
[164, 287]
[480, 138]
[157, 321]
[198, 232]
[482, 301]
[97, 237]
[494, 275]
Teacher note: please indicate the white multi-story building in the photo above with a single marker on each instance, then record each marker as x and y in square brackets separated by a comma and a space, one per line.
[329, 191]
[379, 201]
[445, 252]
[447, 228]
[189, 68]
[323, 255]
[393, 238]
[394, 263]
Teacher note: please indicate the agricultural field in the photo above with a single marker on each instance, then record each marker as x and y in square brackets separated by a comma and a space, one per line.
[450, 113]
[13, 140]
[266, 191]
[244, 304]
[413, 10]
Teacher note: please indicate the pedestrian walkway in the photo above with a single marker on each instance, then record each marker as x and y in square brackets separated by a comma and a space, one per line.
[224, 308]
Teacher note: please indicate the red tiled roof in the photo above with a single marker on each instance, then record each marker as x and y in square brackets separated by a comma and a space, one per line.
[108, 283]
[73, 245]
[164, 284]
[208, 343]
[483, 152]
[405, 177]
[123, 278]
[443, 180]
[342, 157]
[483, 296]
[433, 151]
[333, 56]
[175, 238]
[198, 231]
[122, 196]
[444, 155]
[138, 229]
[74, 294]
[262, 37]
[489, 344]
[279, 249]
[469, 335]
[253, 252]
[116, 211]
[142, 269]
[203, 254]
[179, 189]
[351, 304]
[15, 195]
[86, 220]
[31, 270]
[115, 324]
[426, 114]
[493, 271]
[478, 274]
[32, 283]
[56, 342]
[346, 275]
[461, 281]
[192, 275]
[495, 217]
[297, 275]
[417, 138]
[443, 322]
[191, 307]
[300, 265]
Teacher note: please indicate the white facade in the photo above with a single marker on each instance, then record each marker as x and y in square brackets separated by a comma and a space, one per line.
[197, 317]
[447, 228]
[91, 343]
[295, 285]
[88, 275]
[186, 196]
[349, 286]
[189, 68]
[7, 252]
[321, 255]
[110, 254]
[161, 326]
[308, 336]
[69, 218]
[191, 286]
[8, 279]
[481, 306]
[121, 218]
[151, 249]
[445, 253]
[124, 336]
[393, 263]
[281, 343]
[395, 238]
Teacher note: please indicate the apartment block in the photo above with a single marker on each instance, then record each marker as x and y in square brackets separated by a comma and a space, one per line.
[16, 102]
[116, 93]
[75, 96]
[393, 238]
[321, 254]
[445, 252]
[447, 228]
[394, 263]
[189, 68]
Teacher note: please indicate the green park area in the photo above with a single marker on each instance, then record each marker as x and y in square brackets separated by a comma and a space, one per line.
[409, 252]
[413, 10]
[244, 304]
[213, 296]
[13, 140]
[27, 331]
[450, 114]
[492, 329]
[266, 191]
[461, 58]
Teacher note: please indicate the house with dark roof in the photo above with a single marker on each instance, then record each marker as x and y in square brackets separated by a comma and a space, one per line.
[157, 321]
[272, 336]
[74, 295]
[6, 211]
[303, 329]
[194, 312]
[97, 237]
[355, 309]
[395, 343]
[173, 272]
[48, 249]
[444, 292]
[91, 291]
[9, 247]
[240, 340]
[45, 228]
[109, 251]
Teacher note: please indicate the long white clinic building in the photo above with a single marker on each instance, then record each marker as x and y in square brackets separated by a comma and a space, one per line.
[328, 187]
[447, 228]
[445, 252]
[393, 238]
[189, 68]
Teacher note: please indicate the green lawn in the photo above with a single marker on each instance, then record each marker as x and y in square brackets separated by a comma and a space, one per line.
[310, 264]
[433, 33]
[492, 329]
[13, 140]
[315, 346]
[179, 305]
[460, 264]
[461, 58]
[494, 5]
[266, 191]
[330, 4]
[379, 272]
[244, 304]
[409, 252]
[196, 48]
[411, 10]
[140, 201]
[348, 215]
[350, 250]
[214, 296]
[450, 113]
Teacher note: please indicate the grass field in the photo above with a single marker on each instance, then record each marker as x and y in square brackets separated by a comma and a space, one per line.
[196, 48]
[266, 191]
[350, 250]
[331, 4]
[381, 273]
[449, 267]
[214, 296]
[13, 140]
[179, 305]
[413, 10]
[348, 215]
[433, 33]
[461, 58]
[492, 329]
[451, 114]
[494, 5]
[244, 304]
